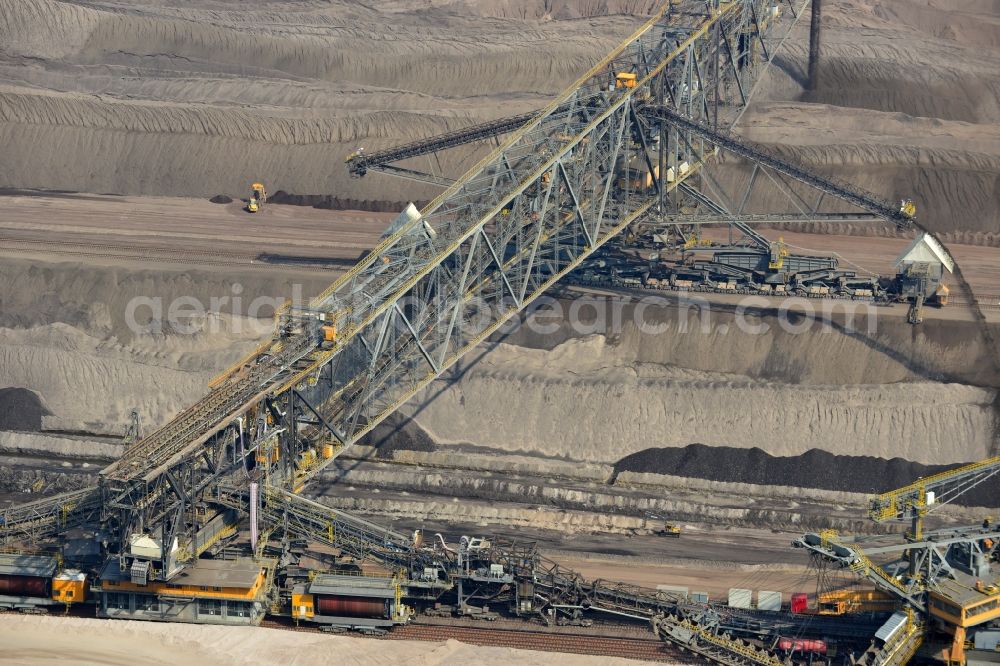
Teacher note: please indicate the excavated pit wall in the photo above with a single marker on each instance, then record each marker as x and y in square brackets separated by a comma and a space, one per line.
[65, 326]
[554, 495]
[490, 489]
[919, 393]
[833, 351]
[95, 298]
[178, 99]
[214, 97]
[489, 500]
[48, 445]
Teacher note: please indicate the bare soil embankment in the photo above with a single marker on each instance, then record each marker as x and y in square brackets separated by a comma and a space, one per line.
[599, 415]
[908, 105]
[917, 393]
[922, 394]
[94, 342]
[194, 99]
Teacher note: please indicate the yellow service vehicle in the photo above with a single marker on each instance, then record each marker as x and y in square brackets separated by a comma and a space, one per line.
[258, 196]
[669, 528]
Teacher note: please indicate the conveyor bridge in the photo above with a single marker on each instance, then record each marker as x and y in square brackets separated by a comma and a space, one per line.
[445, 279]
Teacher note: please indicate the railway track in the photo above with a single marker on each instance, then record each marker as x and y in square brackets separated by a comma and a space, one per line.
[991, 303]
[647, 649]
[628, 647]
[985, 303]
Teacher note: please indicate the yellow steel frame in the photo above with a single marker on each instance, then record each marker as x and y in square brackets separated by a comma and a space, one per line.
[894, 503]
[170, 590]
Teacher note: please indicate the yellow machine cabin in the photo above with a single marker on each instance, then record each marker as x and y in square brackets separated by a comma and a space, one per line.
[839, 602]
[69, 587]
[625, 80]
[327, 336]
[303, 607]
[942, 294]
[908, 208]
[30, 581]
[258, 196]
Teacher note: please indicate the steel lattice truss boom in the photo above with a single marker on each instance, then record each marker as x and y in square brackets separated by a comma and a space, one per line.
[763, 158]
[904, 576]
[528, 214]
[160, 477]
[521, 219]
[354, 536]
[52, 515]
[870, 206]
[480, 253]
[162, 447]
[360, 163]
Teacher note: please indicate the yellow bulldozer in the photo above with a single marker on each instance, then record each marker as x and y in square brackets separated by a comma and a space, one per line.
[258, 196]
[669, 529]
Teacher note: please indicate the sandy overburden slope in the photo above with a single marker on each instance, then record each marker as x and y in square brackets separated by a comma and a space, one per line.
[199, 98]
[65, 334]
[908, 105]
[187, 98]
[587, 400]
